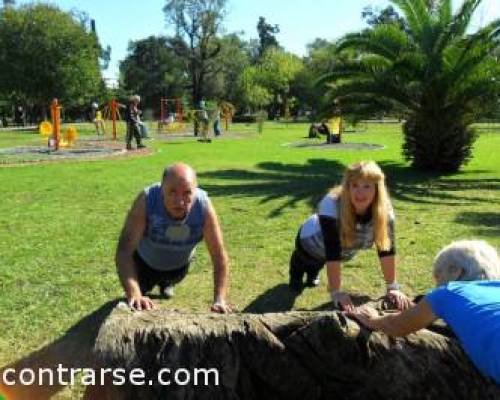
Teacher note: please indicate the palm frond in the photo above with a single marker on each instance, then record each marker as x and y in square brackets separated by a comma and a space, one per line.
[367, 65]
[445, 12]
[383, 88]
[385, 40]
[457, 26]
[416, 14]
[462, 18]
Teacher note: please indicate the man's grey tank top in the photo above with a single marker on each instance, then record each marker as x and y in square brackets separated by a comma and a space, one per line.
[169, 244]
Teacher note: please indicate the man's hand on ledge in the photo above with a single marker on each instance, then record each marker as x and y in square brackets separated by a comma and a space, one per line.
[140, 303]
[221, 307]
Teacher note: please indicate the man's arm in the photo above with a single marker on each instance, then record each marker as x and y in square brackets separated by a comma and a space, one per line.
[215, 245]
[400, 324]
[131, 234]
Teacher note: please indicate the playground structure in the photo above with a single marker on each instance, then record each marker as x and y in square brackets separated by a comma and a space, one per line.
[52, 130]
[174, 116]
[112, 112]
[171, 115]
[227, 111]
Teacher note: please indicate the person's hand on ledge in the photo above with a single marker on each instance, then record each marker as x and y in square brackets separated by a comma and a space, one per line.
[141, 303]
[221, 307]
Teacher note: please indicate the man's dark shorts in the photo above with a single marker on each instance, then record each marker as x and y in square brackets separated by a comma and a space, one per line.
[149, 277]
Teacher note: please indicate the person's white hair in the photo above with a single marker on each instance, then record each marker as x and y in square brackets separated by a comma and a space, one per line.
[466, 260]
[135, 98]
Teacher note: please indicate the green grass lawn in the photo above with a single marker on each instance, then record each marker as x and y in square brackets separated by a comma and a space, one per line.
[59, 222]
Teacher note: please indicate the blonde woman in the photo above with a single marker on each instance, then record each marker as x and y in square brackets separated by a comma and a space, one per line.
[353, 216]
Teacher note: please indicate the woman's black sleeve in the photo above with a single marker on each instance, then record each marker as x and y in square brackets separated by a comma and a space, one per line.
[331, 238]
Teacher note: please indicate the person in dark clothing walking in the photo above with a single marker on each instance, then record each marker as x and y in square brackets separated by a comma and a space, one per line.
[132, 120]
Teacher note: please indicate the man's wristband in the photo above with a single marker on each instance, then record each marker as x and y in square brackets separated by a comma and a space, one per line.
[393, 286]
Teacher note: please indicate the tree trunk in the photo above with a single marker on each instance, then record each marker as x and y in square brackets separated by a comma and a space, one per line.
[294, 355]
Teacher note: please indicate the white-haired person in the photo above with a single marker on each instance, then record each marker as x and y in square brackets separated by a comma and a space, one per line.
[467, 298]
[133, 122]
[351, 217]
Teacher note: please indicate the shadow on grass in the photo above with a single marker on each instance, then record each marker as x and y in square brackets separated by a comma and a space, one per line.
[293, 183]
[273, 181]
[357, 300]
[411, 185]
[484, 223]
[277, 299]
[72, 350]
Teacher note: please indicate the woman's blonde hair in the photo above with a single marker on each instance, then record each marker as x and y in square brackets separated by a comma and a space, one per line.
[370, 171]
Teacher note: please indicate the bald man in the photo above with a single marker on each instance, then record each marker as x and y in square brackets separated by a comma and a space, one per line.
[158, 241]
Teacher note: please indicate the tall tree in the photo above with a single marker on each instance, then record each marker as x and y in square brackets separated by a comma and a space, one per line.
[271, 79]
[440, 77]
[267, 35]
[152, 70]
[321, 55]
[9, 3]
[197, 24]
[41, 60]
[255, 94]
[388, 15]
[231, 61]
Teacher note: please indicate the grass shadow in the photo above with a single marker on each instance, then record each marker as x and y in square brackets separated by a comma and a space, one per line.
[484, 223]
[277, 299]
[72, 350]
[293, 183]
[273, 181]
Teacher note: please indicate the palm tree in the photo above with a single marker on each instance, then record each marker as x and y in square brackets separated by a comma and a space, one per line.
[434, 74]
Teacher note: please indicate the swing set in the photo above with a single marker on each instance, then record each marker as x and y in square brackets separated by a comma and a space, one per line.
[171, 115]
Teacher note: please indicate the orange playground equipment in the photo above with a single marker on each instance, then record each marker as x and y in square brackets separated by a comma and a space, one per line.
[52, 130]
[112, 112]
[171, 115]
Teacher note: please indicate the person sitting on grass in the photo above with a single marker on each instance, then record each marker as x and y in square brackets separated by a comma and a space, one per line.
[350, 217]
[158, 241]
[467, 298]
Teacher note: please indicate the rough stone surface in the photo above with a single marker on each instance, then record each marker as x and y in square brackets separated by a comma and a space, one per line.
[295, 355]
[291, 355]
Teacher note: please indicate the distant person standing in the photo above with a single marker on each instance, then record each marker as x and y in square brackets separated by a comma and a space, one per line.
[97, 119]
[217, 130]
[19, 116]
[133, 121]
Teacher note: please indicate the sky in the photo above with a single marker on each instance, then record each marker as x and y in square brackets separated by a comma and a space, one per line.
[300, 21]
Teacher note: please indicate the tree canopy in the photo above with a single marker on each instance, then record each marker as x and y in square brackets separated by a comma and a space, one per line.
[152, 69]
[267, 35]
[46, 53]
[197, 24]
[270, 80]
